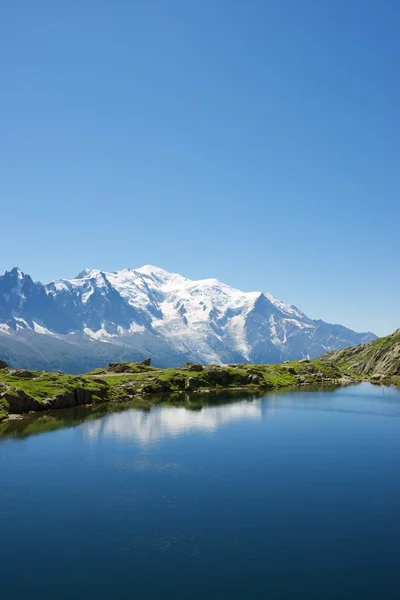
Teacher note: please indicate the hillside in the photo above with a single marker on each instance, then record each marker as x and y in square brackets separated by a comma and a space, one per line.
[23, 391]
[100, 317]
[377, 359]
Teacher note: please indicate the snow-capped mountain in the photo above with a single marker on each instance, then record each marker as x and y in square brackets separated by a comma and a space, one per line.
[77, 324]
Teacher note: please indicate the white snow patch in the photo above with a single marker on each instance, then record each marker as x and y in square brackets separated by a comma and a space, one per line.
[40, 329]
[21, 323]
[101, 335]
[87, 294]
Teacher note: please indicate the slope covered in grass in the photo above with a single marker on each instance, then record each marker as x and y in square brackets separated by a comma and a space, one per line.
[23, 391]
[381, 357]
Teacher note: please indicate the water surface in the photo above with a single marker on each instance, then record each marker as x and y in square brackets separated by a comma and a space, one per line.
[291, 495]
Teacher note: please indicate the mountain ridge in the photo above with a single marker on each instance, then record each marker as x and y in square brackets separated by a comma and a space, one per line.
[133, 313]
[379, 359]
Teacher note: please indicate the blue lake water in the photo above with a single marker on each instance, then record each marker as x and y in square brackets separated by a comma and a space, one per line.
[294, 495]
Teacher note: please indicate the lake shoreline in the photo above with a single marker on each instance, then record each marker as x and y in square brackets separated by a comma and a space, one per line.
[148, 400]
[23, 391]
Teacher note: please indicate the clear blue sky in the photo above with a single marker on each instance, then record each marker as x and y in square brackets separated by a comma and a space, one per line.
[256, 142]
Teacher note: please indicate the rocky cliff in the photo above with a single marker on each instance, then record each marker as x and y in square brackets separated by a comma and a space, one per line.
[377, 359]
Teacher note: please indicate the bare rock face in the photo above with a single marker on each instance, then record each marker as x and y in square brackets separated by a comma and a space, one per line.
[145, 363]
[76, 397]
[20, 402]
[381, 357]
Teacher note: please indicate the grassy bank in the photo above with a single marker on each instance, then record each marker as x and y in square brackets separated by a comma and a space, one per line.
[24, 391]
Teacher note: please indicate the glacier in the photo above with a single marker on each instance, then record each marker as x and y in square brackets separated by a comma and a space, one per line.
[97, 317]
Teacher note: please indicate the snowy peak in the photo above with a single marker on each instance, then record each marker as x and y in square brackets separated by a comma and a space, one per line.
[17, 272]
[155, 272]
[86, 273]
[152, 312]
[286, 309]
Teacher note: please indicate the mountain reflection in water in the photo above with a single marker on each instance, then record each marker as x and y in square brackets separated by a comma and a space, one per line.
[172, 416]
[164, 422]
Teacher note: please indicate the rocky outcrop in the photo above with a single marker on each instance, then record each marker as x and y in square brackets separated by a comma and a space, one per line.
[381, 357]
[129, 367]
[19, 401]
[77, 397]
[193, 367]
[23, 373]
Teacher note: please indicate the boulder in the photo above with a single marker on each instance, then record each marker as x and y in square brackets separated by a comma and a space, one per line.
[193, 383]
[193, 367]
[218, 376]
[377, 377]
[24, 373]
[155, 386]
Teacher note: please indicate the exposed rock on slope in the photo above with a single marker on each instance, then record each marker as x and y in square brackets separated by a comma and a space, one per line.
[379, 357]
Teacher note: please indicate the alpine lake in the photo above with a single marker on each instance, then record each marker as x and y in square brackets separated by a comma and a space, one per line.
[281, 495]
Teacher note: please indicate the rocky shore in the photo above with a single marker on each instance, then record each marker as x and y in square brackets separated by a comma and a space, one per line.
[23, 391]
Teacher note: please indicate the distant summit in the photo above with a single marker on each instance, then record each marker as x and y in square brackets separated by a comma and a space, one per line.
[98, 317]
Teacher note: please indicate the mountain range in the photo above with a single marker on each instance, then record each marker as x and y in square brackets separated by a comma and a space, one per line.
[98, 317]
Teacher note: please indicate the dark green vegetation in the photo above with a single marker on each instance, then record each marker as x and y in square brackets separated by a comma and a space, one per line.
[23, 391]
[378, 360]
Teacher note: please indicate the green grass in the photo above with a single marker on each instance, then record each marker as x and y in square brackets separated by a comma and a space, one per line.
[48, 385]
[127, 381]
[115, 380]
[125, 367]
